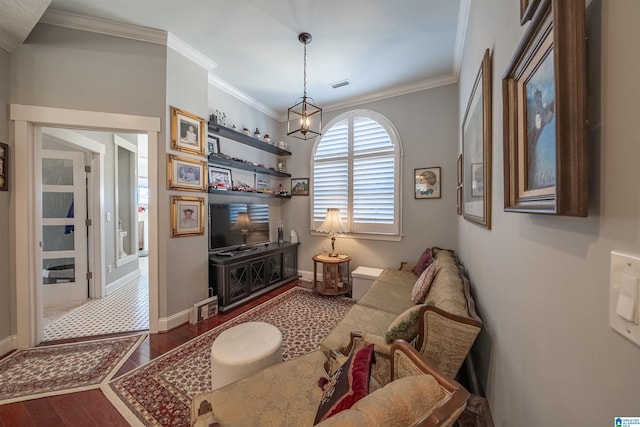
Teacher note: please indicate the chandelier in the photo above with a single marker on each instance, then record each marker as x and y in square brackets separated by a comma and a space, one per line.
[304, 119]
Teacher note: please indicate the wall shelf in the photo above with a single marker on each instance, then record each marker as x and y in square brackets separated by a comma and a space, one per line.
[248, 193]
[221, 161]
[217, 129]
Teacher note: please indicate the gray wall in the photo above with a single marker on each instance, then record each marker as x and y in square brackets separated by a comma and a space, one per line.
[6, 294]
[542, 282]
[426, 122]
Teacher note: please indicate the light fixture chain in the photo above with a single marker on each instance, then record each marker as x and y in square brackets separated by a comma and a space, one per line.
[305, 71]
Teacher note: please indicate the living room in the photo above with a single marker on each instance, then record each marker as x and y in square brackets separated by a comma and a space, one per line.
[541, 282]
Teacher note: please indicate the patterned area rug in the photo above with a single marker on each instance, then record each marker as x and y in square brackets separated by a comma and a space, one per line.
[58, 369]
[160, 392]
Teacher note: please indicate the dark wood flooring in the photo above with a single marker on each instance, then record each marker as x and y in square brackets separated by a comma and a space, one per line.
[92, 408]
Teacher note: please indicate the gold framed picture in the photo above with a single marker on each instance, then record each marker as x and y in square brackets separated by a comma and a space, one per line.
[4, 167]
[187, 216]
[184, 173]
[187, 132]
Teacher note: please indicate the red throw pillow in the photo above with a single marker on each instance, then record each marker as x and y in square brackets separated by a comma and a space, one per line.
[349, 384]
[425, 259]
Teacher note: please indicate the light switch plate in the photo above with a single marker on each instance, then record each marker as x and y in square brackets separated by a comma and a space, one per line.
[624, 314]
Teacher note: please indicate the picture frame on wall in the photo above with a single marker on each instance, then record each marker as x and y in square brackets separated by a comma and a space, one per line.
[213, 145]
[184, 173]
[459, 201]
[299, 186]
[527, 10]
[220, 178]
[187, 216]
[460, 170]
[476, 148]
[4, 167]
[545, 112]
[427, 183]
[187, 132]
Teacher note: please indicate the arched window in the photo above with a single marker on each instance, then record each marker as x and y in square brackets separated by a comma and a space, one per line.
[355, 166]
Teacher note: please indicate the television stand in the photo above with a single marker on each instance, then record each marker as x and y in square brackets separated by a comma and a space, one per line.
[242, 274]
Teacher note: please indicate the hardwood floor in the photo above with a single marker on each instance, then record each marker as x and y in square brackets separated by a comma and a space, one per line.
[92, 408]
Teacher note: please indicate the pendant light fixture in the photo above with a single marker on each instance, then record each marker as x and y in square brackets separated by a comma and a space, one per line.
[304, 119]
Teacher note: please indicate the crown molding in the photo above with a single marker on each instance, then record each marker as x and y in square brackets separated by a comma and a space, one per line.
[186, 50]
[463, 20]
[102, 26]
[7, 42]
[396, 91]
[241, 96]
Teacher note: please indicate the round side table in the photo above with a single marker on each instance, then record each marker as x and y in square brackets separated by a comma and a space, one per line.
[336, 279]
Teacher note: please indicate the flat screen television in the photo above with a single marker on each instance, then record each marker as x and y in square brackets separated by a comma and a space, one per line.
[226, 233]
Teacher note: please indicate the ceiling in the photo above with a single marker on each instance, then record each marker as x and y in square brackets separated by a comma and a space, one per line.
[382, 48]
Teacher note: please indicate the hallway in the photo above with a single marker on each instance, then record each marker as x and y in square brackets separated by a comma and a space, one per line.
[125, 310]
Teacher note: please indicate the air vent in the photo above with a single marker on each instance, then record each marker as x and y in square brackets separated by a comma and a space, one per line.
[336, 85]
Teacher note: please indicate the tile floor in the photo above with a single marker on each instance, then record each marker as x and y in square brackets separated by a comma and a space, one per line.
[125, 310]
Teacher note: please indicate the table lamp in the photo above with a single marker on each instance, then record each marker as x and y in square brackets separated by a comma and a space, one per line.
[333, 225]
[243, 224]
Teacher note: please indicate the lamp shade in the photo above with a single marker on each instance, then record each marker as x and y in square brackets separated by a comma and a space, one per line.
[243, 222]
[332, 223]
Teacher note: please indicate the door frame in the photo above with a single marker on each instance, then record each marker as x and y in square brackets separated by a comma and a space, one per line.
[27, 120]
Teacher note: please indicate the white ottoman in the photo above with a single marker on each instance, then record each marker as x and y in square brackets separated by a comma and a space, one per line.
[243, 350]
[363, 278]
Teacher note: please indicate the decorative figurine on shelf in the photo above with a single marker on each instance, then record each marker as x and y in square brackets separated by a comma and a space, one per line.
[218, 117]
[234, 127]
[256, 134]
[245, 131]
[267, 138]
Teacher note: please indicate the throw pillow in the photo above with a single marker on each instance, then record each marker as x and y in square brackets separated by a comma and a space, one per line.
[347, 385]
[405, 326]
[423, 262]
[422, 285]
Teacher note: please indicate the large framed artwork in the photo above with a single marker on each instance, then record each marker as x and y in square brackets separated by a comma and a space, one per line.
[476, 149]
[544, 103]
[184, 173]
[187, 216]
[187, 132]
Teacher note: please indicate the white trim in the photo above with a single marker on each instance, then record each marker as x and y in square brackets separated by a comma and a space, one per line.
[243, 97]
[363, 236]
[117, 284]
[103, 26]
[305, 275]
[395, 91]
[22, 203]
[7, 344]
[175, 320]
[189, 52]
[463, 19]
[126, 260]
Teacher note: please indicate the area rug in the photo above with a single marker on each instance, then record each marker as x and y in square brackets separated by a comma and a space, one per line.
[65, 368]
[160, 392]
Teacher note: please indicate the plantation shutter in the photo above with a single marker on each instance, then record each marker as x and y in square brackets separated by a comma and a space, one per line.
[355, 169]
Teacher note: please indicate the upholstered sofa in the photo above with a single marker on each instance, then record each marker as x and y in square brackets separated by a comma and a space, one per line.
[443, 328]
[288, 394]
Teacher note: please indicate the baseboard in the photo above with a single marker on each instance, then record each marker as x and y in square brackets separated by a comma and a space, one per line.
[117, 284]
[167, 323]
[305, 275]
[8, 344]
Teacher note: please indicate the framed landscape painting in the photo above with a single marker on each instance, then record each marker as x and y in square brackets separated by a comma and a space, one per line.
[544, 104]
[476, 149]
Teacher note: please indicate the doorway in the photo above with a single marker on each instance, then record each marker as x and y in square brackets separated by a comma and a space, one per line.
[26, 258]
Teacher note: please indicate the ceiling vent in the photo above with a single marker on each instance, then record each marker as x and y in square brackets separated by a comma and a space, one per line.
[336, 85]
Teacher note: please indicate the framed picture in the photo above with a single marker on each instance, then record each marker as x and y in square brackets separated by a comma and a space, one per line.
[460, 170]
[184, 173]
[545, 112]
[299, 186]
[527, 10]
[213, 145]
[459, 201]
[476, 149]
[4, 167]
[220, 178]
[187, 216]
[263, 182]
[187, 132]
[427, 183]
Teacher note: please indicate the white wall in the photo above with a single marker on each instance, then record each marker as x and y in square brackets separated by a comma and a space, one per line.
[426, 122]
[547, 354]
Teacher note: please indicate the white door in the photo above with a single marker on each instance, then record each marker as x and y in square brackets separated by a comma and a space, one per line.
[64, 229]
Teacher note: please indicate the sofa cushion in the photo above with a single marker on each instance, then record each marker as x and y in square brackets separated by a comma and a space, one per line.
[405, 326]
[402, 402]
[446, 290]
[358, 318]
[347, 385]
[423, 262]
[391, 292]
[423, 284]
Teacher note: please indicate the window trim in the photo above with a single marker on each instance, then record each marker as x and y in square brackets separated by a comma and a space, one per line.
[398, 159]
